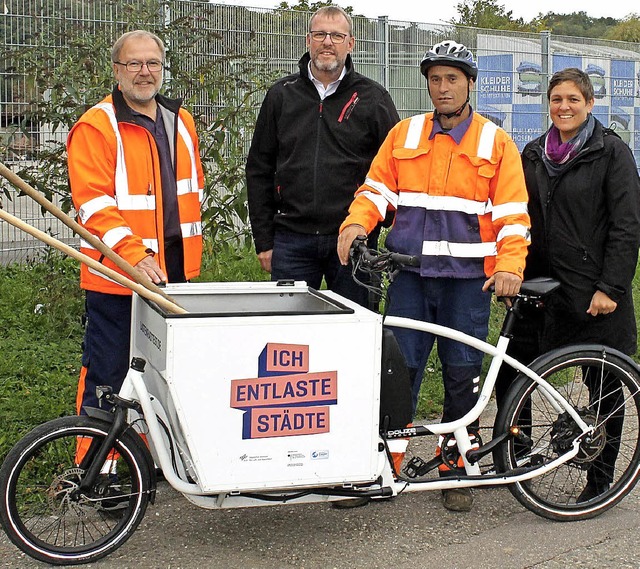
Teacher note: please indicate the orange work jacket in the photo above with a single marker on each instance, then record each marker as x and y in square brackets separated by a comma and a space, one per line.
[115, 186]
[461, 207]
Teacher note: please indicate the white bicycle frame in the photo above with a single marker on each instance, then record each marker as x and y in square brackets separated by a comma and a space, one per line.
[134, 388]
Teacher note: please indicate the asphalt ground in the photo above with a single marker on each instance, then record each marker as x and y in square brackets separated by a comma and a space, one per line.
[407, 532]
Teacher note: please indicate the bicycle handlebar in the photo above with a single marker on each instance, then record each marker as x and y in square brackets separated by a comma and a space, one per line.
[376, 261]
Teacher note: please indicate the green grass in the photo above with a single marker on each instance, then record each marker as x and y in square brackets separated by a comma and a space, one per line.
[232, 265]
[40, 312]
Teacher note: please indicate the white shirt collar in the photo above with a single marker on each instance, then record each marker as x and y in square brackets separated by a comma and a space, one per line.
[331, 87]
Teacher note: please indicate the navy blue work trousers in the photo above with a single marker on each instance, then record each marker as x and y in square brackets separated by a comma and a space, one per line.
[105, 350]
[458, 304]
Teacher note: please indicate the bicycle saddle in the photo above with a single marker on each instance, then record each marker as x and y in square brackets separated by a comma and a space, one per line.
[539, 286]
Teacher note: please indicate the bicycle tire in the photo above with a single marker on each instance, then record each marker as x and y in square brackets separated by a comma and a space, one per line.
[42, 512]
[604, 386]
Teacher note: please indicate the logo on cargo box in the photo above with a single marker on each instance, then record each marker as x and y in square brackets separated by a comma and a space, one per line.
[285, 399]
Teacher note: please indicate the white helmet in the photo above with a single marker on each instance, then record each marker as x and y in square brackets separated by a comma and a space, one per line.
[450, 53]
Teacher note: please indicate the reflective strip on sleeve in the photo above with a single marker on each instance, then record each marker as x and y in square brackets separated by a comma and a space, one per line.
[92, 206]
[385, 192]
[459, 250]
[414, 132]
[114, 236]
[511, 208]
[378, 201]
[443, 203]
[514, 229]
[191, 229]
[151, 244]
[487, 137]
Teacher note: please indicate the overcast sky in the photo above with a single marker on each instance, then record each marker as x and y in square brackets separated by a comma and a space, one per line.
[435, 12]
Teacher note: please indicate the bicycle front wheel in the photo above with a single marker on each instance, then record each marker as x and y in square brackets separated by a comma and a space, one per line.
[603, 386]
[46, 514]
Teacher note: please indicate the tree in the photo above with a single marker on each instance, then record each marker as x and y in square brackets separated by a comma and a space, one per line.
[487, 14]
[578, 24]
[305, 6]
[627, 30]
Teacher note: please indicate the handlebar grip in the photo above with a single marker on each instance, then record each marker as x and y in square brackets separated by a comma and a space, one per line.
[406, 260]
[359, 247]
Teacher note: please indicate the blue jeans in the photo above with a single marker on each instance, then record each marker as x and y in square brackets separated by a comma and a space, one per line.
[458, 304]
[309, 258]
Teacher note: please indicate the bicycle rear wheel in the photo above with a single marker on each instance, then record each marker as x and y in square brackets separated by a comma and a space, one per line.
[43, 511]
[603, 385]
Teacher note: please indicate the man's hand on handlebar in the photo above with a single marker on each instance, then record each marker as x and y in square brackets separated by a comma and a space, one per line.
[345, 240]
[505, 284]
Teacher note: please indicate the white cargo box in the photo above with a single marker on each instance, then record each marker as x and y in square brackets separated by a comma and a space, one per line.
[272, 386]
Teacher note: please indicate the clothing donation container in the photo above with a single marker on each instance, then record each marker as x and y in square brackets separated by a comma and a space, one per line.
[265, 385]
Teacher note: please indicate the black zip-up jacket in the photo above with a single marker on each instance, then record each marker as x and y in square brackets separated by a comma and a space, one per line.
[308, 157]
[585, 227]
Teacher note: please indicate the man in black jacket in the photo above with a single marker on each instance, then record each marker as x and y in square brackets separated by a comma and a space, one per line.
[315, 137]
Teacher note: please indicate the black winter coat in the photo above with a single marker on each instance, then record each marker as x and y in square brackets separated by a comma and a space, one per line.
[586, 233]
[308, 157]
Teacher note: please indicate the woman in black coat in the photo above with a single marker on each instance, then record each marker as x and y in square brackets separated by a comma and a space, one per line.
[584, 203]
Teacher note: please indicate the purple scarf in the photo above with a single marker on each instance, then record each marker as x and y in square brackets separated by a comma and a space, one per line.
[558, 153]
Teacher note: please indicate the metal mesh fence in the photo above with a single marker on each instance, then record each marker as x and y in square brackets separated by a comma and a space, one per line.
[511, 90]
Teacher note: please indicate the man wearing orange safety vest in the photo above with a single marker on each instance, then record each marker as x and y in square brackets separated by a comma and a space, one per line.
[455, 182]
[136, 183]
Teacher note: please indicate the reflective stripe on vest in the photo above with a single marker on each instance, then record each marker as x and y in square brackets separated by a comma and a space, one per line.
[189, 185]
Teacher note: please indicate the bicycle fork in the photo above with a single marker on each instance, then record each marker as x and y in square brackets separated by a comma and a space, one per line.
[94, 460]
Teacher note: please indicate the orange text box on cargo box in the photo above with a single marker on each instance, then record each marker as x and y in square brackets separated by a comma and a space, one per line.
[278, 359]
[298, 390]
[289, 421]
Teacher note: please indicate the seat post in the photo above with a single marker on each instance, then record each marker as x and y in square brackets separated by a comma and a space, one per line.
[513, 314]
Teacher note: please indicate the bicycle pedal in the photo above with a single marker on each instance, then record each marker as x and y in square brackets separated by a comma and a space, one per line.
[419, 467]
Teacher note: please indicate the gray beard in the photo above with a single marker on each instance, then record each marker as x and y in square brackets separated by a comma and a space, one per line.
[328, 67]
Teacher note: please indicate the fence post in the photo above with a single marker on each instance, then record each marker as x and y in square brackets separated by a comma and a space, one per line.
[547, 67]
[385, 49]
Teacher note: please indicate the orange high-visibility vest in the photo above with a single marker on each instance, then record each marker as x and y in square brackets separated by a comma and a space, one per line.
[115, 182]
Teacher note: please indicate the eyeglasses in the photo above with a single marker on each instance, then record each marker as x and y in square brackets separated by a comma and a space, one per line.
[134, 66]
[336, 37]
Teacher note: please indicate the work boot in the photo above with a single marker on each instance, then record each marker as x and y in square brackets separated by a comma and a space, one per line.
[457, 499]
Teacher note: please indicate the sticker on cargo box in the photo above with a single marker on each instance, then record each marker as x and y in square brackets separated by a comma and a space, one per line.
[285, 399]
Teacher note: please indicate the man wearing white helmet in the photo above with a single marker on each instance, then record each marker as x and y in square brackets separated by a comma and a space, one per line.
[454, 180]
